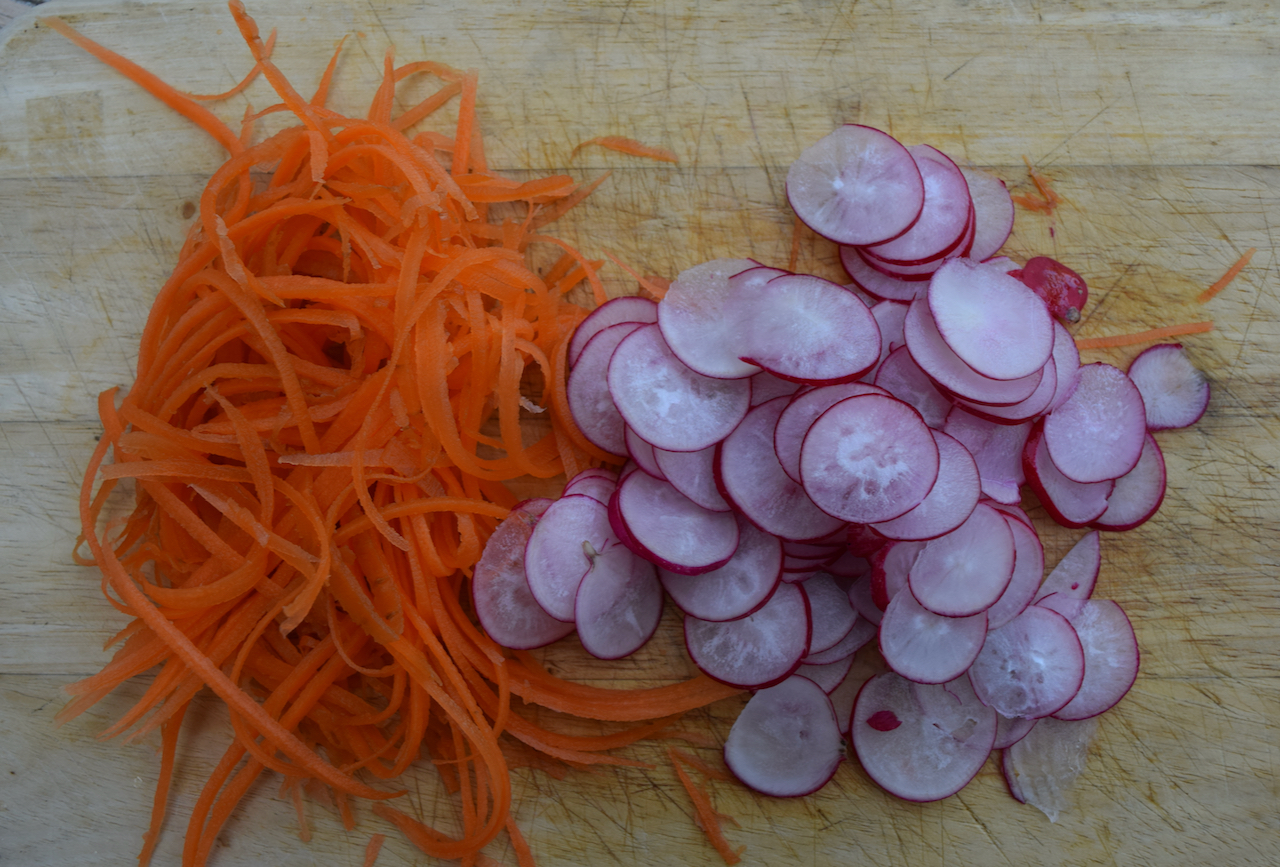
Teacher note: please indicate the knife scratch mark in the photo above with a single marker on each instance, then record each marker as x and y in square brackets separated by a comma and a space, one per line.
[1043, 161]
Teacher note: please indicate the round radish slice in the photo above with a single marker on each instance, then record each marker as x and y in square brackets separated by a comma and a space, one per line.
[868, 458]
[1097, 433]
[862, 632]
[1041, 767]
[590, 402]
[500, 592]
[1174, 392]
[996, 449]
[891, 316]
[890, 567]
[557, 555]
[1066, 359]
[1110, 653]
[967, 570]
[668, 404]
[751, 478]
[629, 308]
[694, 475]
[1038, 403]
[829, 675]
[856, 185]
[949, 502]
[927, 647]
[831, 614]
[921, 742]
[1138, 493]
[755, 651]
[1010, 731]
[1030, 667]
[993, 212]
[800, 414]
[944, 217]
[806, 329]
[695, 321]
[737, 588]
[598, 484]
[991, 321]
[672, 530]
[785, 742]
[619, 604]
[1076, 574]
[876, 282]
[1070, 503]
[1063, 290]
[1028, 570]
[899, 375]
[643, 454]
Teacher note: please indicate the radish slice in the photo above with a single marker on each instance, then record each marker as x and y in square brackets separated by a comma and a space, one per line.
[785, 742]
[696, 323]
[856, 185]
[863, 540]
[1041, 767]
[590, 401]
[668, 404]
[830, 611]
[1063, 290]
[861, 599]
[927, 647]
[673, 531]
[949, 502]
[1076, 574]
[694, 475]
[755, 651]
[751, 478]
[996, 449]
[1030, 667]
[849, 565]
[1072, 504]
[902, 377]
[558, 552]
[504, 604]
[890, 567]
[1097, 433]
[965, 571]
[629, 308]
[1028, 571]
[1066, 359]
[1138, 493]
[1010, 730]
[643, 454]
[806, 329]
[1110, 653]
[595, 483]
[829, 675]
[619, 604]
[862, 632]
[991, 321]
[868, 458]
[876, 282]
[920, 742]
[944, 217]
[765, 387]
[800, 414]
[1039, 402]
[1174, 392]
[993, 212]
[737, 588]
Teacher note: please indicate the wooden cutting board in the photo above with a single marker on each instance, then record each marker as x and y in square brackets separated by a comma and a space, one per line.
[1158, 127]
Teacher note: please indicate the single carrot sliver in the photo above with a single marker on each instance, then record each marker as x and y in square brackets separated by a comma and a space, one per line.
[1227, 277]
[1143, 336]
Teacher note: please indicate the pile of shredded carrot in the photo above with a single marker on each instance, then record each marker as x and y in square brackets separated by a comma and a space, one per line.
[329, 404]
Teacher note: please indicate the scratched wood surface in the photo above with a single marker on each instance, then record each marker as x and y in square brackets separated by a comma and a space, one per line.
[1159, 127]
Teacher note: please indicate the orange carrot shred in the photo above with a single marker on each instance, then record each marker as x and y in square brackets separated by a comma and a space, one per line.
[1143, 336]
[707, 817]
[1227, 277]
[372, 849]
[645, 284]
[244, 82]
[628, 146]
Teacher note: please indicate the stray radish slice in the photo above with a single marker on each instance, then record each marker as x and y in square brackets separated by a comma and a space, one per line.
[991, 321]
[628, 308]
[862, 632]
[831, 613]
[875, 282]
[673, 531]
[806, 329]
[1041, 767]
[696, 323]
[751, 478]
[1063, 290]
[899, 375]
[1010, 730]
[921, 742]
[868, 458]
[965, 571]
[993, 212]
[1174, 392]
[755, 651]
[927, 647]
[786, 741]
[590, 401]
[1070, 503]
[800, 414]
[1138, 493]
[1028, 571]
[1110, 653]
[737, 588]
[1030, 667]
[949, 502]
[504, 604]
[668, 404]
[1097, 433]
[828, 675]
[944, 217]
[619, 604]
[595, 483]
[996, 449]
[694, 475]
[643, 454]
[1076, 574]
[857, 185]
[558, 552]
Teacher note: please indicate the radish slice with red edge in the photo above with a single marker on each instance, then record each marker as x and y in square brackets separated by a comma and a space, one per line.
[856, 185]
[786, 741]
[949, 502]
[1042, 767]
[628, 308]
[1137, 494]
[1076, 574]
[899, 375]
[755, 651]
[800, 414]
[668, 404]
[1039, 402]
[828, 675]
[1173, 391]
[737, 588]
[1070, 503]
[765, 387]
[862, 632]
[927, 647]
[595, 483]
[1097, 433]
[1110, 653]
[965, 571]
[558, 552]
[849, 565]
[996, 449]
[500, 592]
[1063, 290]
[694, 475]
[590, 401]
[831, 614]
[868, 458]
[1030, 667]
[862, 602]
[875, 282]
[993, 212]
[890, 567]
[944, 216]
[695, 321]
[921, 742]
[619, 603]
[1010, 730]
[643, 454]
[1028, 571]
[673, 531]
[1066, 360]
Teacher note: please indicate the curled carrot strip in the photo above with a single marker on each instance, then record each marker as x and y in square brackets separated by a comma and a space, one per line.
[1226, 278]
[630, 147]
[1143, 336]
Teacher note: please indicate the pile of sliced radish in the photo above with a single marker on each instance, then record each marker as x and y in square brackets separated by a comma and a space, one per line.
[811, 466]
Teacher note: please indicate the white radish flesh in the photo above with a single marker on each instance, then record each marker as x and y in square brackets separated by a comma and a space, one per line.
[672, 530]
[927, 647]
[694, 475]
[1070, 503]
[1077, 572]
[1028, 571]
[1030, 667]
[965, 571]
[695, 323]
[737, 588]
[590, 401]
[558, 553]
[755, 651]
[628, 308]
[944, 217]
[993, 212]
[831, 613]
[1138, 493]
[949, 502]
[996, 449]
[1173, 390]
[800, 414]
[786, 741]
[1097, 433]
[619, 604]
[1110, 653]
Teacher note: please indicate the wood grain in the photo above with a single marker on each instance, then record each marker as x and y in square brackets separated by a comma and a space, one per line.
[1156, 125]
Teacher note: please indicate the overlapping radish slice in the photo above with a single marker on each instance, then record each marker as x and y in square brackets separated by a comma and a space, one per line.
[596, 483]
[1070, 503]
[1042, 766]
[857, 185]
[997, 450]
[558, 553]
[786, 741]
[755, 651]
[949, 502]
[831, 614]
[875, 282]
[800, 414]
[1138, 493]
[944, 216]
[694, 475]
[862, 633]
[667, 403]
[618, 604]
[965, 571]
[1174, 392]
[1010, 730]
[670, 529]
[927, 647]
[1110, 653]
[737, 588]
[628, 308]
[590, 401]
[643, 454]
[1028, 570]
[1066, 360]
[1076, 574]
[1097, 432]
[696, 323]
[827, 675]
[765, 387]
[1030, 667]
[993, 212]
[921, 742]
[899, 374]
[890, 568]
